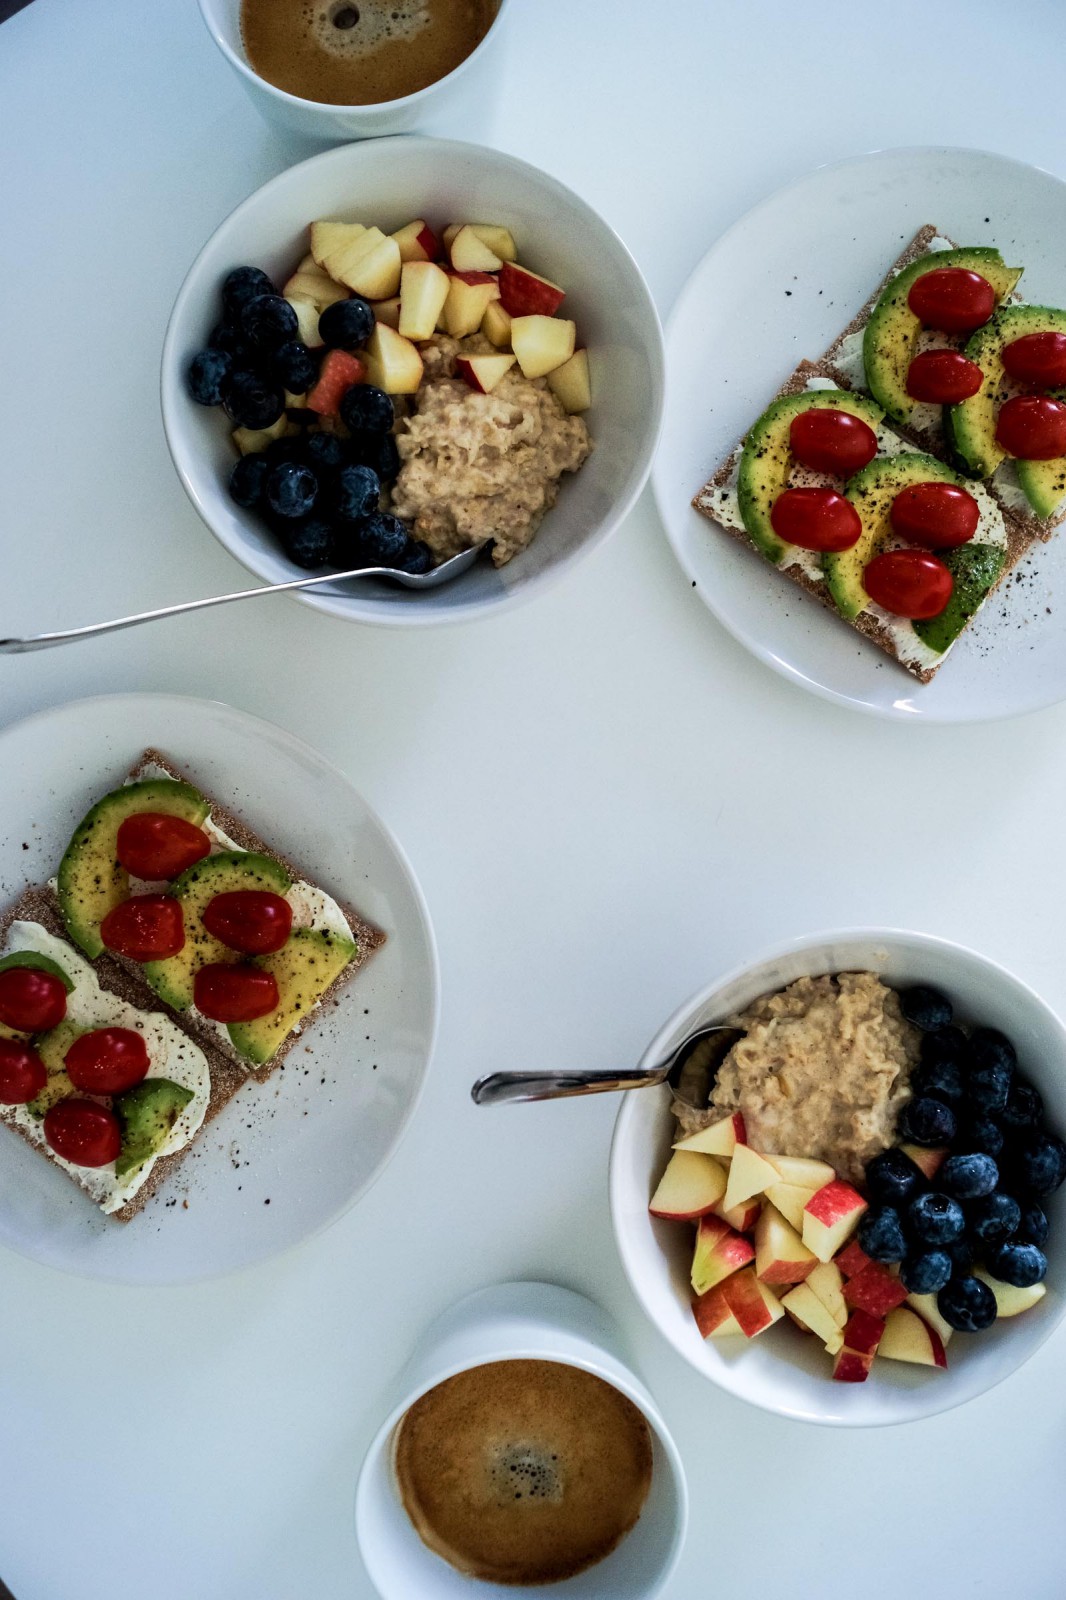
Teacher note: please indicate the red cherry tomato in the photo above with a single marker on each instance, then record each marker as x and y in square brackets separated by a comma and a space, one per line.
[235, 994]
[22, 1073]
[938, 516]
[253, 921]
[83, 1132]
[909, 583]
[826, 440]
[1032, 427]
[153, 845]
[952, 299]
[816, 519]
[107, 1060]
[147, 927]
[943, 377]
[31, 1000]
[1037, 358]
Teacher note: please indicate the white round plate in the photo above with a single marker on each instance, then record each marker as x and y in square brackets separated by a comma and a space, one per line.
[284, 1158]
[778, 287]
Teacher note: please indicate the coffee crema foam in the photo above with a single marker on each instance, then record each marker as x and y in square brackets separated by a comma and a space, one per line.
[523, 1472]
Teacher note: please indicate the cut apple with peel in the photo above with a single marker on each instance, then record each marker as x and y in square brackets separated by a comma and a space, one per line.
[826, 1282]
[307, 315]
[749, 1173]
[742, 1217]
[862, 1335]
[392, 362]
[388, 312]
[469, 295]
[875, 1290]
[720, 1139]
[809, 1313]
[370, 265]
[790, 1200]
[830, 1216]
[719, 1251]
[780, 1254]
[713, 1316]
[691, 1186]
[852, 1259]
[1009, 1299]
[423, 290]
[496, 325]
[929, 1311]
[908, 1338]
[571, 384]
[526, 293]
[469, 252]
[754, 1305]
[483, 373]
[928, 1162]
[417, 241]
[804, 1173]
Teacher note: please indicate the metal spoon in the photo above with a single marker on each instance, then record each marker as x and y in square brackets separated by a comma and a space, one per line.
[452, 568]
[687, 1069]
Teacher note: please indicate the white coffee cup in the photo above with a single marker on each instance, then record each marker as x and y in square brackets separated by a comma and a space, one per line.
[512, 1322]
[315, 120]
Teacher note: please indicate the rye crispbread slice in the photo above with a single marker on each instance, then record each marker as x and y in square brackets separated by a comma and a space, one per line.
[1018, 538]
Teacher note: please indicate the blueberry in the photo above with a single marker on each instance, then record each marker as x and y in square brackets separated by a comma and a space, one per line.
[994, 1217]
[1019, 1264]
[881, 1234]
[417, 557]
[285, 449]
[293, 366]
[961, 1255]
[386, 457]
[240, 286]
[248, 479]
[268, 321]
[324, 450]
[291, 490]
[310, 543]
[892, 1178]
[968, 1177]
[1033, 1228]
[946, 1044]
[367, 409]
[356, 492]
[941, 1079]
[346, 324]
[1024, 1108]
[981, 1135]
[927, 1121]
[250, 401]
[226, 337]
[927, 1273]
[935, 1219]
[383, 538]
[927, 1008]
[1040, 1162]
[991, 1060]
[967, 1304]
[208, 370]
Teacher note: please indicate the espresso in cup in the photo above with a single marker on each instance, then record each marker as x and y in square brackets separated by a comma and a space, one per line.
[523, 1472]
[360, 52]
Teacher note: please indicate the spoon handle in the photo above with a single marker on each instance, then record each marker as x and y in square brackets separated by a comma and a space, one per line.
[501, 1088]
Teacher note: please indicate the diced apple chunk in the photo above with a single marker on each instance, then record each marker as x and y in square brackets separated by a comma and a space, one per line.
[790, 1200]
[929, 1311]
[496, 325]
[720, 1139]
[309, 282]
[330, 241]
[811, 1314]
[908, 1338]
[499, 239]
[690, 1187]
[307, 315]
[830, 1216]
[388, 312]
[469, 295]
[754, 1304]
[806, 1174]
[875, 1290]
[1010, 1300]
[483, 373]
[392, 362]
[826, 1282]
[928, 1162]
[370, 266]
[469, 252]
[780, 1254]
[571, 383]
[742, 1217]
[749, 1173]
[718, 1252]
[713, 1316]
[417, 241]
[526, 293]
[423, 291]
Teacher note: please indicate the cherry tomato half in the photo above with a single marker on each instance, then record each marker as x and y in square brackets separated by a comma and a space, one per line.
[943, 377]
[937, 516]
[22, 1073]
[107, 1060]
[83, 1132]
[816, 519]
[952, 299]
[1032, 427]
[909, 583]
[31, 1000]
[235, 994]
[1037, 358]
[826, 440]
[253, 921]
[153, 845]
[147, 927]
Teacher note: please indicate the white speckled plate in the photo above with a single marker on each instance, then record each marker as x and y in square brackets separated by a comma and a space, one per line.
[779, 286]
[284, 1158]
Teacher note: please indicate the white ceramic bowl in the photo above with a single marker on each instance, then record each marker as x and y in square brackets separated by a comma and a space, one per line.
[389, 181]
[783, 1370]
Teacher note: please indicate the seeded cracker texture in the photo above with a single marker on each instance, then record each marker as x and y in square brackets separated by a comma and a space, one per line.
[125, 979]
[1018, 540]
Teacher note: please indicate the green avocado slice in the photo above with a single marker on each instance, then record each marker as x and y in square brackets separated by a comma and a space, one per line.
[890, 339]
[304, 968]
[39, 963]
[975, 568]
[147, 1114]
[52, 1048]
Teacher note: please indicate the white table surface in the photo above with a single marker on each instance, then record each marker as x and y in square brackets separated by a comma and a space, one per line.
[606, 800]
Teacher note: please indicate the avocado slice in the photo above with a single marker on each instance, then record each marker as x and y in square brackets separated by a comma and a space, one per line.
[975, 568]
[972, 423]
[147, 1114]
[39, 963]
[890, 341]
[767, 459]
[91, 882]
[52, 1048]
[304, 968]
[173, 978]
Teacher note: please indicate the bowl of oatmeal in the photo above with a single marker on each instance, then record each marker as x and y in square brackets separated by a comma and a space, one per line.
[822, 1072]
[540, 476]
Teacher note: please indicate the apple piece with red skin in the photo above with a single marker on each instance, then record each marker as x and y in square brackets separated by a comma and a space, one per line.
[803, 1172]
[875, 1290]
[780, 1254]
[830, 1216]
[527, 294]
[483, 373]
[417, 241]
[929, 1311]
[1009, 1299]
[809, 1313]
[850, 1367]
[468, 252]
[423, 290]
[742, 1217]
[862, 1335]
[754, 1304]
[720, 1139]
[392, 362]
[826, 1282]
[496, 325]
[852, 1259]
[571, 384]
[928, 1162]
[713, 1316]
[691, 1186]
[790, 1200]
[908, 1338]
[469, 294]
[719, 1251]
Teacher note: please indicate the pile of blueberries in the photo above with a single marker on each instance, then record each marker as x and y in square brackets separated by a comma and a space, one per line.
[985, 1203]
[319, 493]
